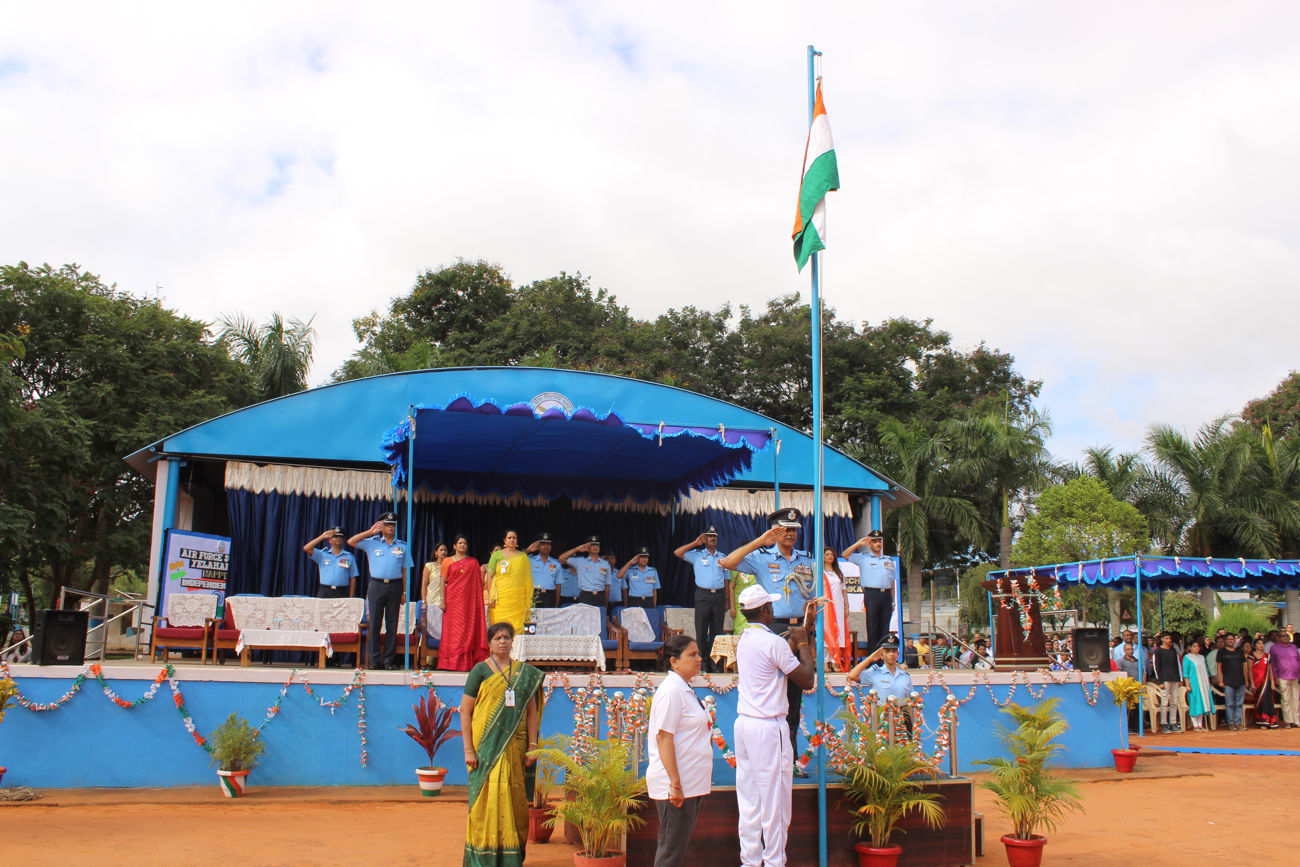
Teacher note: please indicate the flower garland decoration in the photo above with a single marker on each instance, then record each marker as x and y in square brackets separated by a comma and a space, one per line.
[361, 720]
[719, 740]
[39, 707]
[185, 715]
[338, 702]
[1026, 617]
[98, 674]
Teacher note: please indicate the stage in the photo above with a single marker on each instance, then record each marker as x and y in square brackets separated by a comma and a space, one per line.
[340, 727]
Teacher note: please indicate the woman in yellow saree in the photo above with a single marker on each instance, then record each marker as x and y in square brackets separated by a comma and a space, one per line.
[509, 584]
[500, 715]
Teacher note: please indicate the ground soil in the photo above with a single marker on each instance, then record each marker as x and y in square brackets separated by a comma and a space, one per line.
[1173, 809]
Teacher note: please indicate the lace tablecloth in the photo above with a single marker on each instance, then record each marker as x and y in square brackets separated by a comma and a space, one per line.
[559, 648]
[570, 620]
[724, 651]
[296, 613]
[287, 639]
[190, 609]
[637, 624]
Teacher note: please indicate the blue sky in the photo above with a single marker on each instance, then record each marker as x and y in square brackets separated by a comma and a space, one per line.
[1105, 190]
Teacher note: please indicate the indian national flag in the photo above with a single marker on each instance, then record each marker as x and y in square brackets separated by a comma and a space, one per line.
[820, 176]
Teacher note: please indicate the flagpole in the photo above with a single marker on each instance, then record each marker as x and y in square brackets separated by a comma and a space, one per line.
[818, 566]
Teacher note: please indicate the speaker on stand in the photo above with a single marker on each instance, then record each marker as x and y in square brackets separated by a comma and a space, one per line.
[1091, 649]
[60, 637]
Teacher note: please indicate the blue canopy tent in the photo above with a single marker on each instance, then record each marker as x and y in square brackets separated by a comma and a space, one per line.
[1173, 573]
[480, 447]
[467, 446]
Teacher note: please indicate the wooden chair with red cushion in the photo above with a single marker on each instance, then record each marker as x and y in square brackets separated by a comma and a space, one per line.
[224, 634]
[191, 629]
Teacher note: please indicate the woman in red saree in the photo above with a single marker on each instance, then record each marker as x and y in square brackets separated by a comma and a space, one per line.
[1261, 681]
[464, 631]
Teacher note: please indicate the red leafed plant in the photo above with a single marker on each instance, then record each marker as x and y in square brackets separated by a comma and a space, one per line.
[432, 726]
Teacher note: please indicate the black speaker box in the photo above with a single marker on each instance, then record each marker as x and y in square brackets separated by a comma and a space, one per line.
[1091, 649]
[60, 637]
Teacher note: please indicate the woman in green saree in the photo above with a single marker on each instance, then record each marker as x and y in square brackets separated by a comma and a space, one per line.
[500, 714]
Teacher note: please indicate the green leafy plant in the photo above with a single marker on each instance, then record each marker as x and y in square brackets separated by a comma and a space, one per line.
[548, 772]
[432, 726]
[882, 782]
[236, 745]
[1030, 795]
[1236, 617]
[1126, 691]
[606, 789]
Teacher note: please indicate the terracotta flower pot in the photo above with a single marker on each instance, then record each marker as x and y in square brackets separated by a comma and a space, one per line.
[871, 856]
[1124, 760]
[431, 780]
[538, 830]
[232, 783]
[581, 859]
[1024, 853]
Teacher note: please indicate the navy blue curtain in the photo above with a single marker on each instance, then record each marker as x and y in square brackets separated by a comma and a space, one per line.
[268, 531]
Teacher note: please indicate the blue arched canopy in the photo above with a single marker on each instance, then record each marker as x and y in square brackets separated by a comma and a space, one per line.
[1169, 573]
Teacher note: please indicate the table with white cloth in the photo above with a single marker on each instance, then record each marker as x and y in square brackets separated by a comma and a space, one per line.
[283, 639]
[559, 649]
[563, 636]
[724, 651]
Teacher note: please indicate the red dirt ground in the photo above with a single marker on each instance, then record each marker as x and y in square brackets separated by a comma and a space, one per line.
[1169, 811]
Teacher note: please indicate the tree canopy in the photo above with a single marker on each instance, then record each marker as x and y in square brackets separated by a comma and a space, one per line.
[101, 373]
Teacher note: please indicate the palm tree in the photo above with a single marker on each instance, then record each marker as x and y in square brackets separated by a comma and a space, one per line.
[918, 460]
[1119, 473]
[278, 354]
[1008, 455]
[1235, 489]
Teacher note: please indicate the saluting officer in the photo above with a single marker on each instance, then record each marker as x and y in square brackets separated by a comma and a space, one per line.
[642, 580]
[338, 568]
[593, 572]
[878, 575]
[546, 572]
[712, 589]
[785, 571]
[387, 558]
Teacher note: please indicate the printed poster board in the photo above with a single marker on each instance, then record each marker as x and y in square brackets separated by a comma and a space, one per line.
[195, 563]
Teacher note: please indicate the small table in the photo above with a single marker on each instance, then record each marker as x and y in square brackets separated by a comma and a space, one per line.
[559, 648]
[724, 651]
[283, 639]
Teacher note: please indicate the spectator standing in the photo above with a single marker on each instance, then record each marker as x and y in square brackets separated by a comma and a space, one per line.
[1231, 663]
[1200, 701]
[1169, 674]
[1261, 681]
[1285, 662]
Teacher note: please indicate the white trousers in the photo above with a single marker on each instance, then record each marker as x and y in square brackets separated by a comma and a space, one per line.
[764, 783]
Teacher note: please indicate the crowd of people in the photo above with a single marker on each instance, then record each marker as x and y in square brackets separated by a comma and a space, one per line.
[463, 595]
[501, 710]
[1250, 679]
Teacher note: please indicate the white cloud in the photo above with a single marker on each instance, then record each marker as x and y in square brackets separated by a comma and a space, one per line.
[1103, 190]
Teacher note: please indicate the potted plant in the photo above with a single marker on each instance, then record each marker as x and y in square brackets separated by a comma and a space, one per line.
[606, 790]
[882, 785]
[547, 777]
[236, 746]
[1030, 795]
[1126, 692]
[8, 689]
[432, 729]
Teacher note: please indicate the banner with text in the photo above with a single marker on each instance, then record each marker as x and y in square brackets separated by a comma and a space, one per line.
[196, 563]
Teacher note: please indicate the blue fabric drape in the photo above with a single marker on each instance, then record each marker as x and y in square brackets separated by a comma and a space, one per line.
[268, 531]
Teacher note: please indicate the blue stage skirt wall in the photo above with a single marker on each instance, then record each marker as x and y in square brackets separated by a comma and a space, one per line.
[90, 742]
[268, 531]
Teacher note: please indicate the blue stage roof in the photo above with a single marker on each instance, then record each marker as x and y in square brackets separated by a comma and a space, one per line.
[1171, 573]
[468, 445]
[343, 425]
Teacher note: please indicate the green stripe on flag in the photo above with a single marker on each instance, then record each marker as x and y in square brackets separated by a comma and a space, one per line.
[822, 177]
[806, 243]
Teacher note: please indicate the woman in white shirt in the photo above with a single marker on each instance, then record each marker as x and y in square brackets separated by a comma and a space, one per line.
[681, 758]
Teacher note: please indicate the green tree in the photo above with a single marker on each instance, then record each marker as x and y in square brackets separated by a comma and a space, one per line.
[1279, 409]
[1007, 456]
[277, 353]
[918, 459]
[974, 610]
[1183, 613]
[1079, 520]
[1219, 484]
[103, 374]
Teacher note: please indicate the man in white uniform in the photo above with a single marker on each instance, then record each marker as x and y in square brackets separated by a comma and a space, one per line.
[764, 754]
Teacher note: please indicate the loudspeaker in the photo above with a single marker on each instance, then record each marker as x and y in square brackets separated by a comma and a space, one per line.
[60, 637]
[1091, 649]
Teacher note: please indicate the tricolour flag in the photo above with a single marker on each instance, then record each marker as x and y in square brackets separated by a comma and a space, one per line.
[820, 176]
